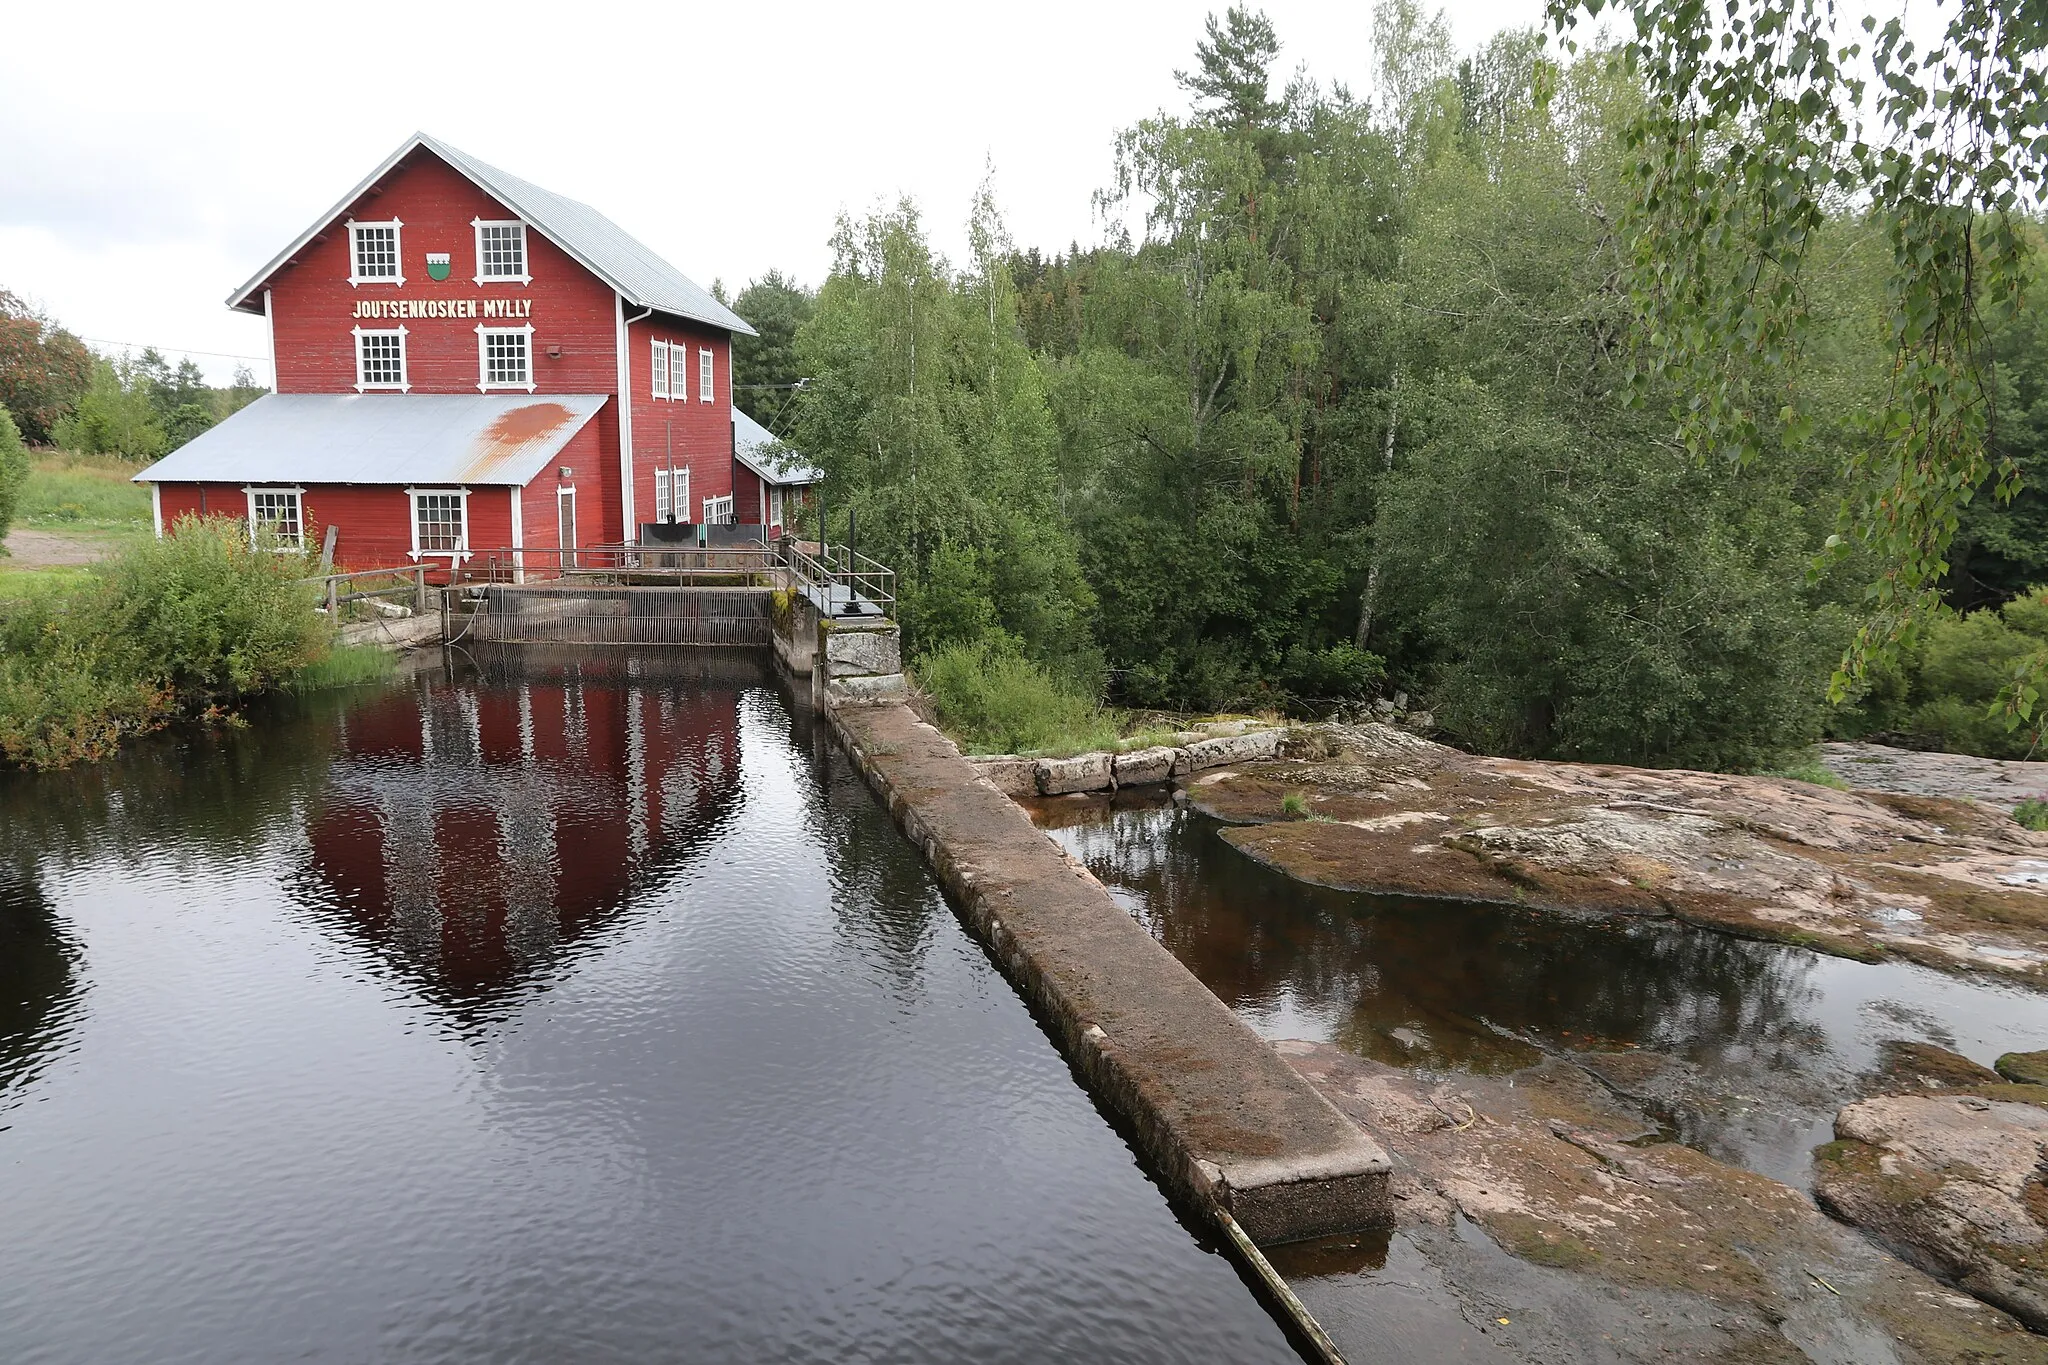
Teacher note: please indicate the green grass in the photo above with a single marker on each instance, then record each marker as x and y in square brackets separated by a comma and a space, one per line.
[2032, 813]
[995, 702]
[67, 491]
[18, 583]
[1807, 768]
[346, 666]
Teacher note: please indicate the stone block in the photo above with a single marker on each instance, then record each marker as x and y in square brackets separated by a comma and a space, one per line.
[1141, 766]
[866, 690]
[1255, 747]
[853, 653]
[1086, 773]
[1009, 774]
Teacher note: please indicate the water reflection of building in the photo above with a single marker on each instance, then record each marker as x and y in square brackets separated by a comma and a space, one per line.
[471, 833]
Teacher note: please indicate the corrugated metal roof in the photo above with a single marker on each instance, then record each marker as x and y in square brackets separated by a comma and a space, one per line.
[604, 248]
[768, 457]
[382, 438]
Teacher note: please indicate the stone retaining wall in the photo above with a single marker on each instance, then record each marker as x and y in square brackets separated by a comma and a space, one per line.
[1014, 775]
[1224, 1121]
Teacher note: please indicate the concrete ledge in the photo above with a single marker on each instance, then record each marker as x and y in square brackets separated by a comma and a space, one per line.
[1223, 1121]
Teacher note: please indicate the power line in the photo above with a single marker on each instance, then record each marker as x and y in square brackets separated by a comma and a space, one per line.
[174, 350]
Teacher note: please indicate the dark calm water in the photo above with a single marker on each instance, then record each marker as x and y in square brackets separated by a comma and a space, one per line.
[540, 1017]
[1765, 1042]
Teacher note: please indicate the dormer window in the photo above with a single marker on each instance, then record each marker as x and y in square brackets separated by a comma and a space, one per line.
[500, 252]
[373, 252]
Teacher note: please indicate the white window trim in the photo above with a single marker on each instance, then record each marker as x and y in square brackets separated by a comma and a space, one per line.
[404, 384]
[707, 374]
[722, 503]
[664, 506]
[525, 256]
[412, 504]
[483, 364]
[397, 252]
[661, 389]
[298, 496]
[681, 489]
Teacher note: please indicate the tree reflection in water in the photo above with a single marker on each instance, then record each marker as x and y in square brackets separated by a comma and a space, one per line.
[1764, 1041]
[38, 984]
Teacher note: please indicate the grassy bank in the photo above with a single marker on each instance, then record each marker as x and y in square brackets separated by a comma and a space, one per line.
[993, 701]
[68, 491]
[190, 626]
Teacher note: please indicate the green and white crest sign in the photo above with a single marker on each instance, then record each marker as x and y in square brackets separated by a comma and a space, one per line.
[437, 265]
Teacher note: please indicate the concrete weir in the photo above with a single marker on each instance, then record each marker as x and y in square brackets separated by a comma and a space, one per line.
[1225, 1122]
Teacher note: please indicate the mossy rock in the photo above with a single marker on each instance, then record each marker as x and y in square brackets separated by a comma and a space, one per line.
[2024, 1068]
[1914, 1068]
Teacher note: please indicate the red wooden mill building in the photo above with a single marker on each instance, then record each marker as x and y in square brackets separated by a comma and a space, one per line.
[466, 362]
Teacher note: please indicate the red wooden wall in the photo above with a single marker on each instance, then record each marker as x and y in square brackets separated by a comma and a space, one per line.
[699, 433]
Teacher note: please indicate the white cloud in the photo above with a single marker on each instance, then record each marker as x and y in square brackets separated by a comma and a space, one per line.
[153, 156]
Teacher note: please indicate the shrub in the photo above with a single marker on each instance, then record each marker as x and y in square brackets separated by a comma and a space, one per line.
[2032, 813]
[1942, 693]
[183, 626]
[1294, 806]
[1338, 671]
[995, 701]
[13, 470]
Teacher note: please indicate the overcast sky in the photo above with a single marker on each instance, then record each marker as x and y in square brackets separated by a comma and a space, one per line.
[153, 157]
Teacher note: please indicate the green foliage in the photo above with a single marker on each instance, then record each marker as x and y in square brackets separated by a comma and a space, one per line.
[1295, 806]
[188, 625]
[777, 307]
[1941, 691]
[1761, 117]
[2032, 813]
[931, 422]
[114, 416]
[995, 701]
[43, 368]
[14, 470]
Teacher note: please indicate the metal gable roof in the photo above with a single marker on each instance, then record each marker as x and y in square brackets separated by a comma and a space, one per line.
[768, 457]
[382, 438]
[600, 245]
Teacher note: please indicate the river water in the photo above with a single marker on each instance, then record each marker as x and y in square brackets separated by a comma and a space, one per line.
[1763, 1042]
[541, 1014]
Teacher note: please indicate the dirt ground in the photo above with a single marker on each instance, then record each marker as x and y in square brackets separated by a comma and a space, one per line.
[32, 549]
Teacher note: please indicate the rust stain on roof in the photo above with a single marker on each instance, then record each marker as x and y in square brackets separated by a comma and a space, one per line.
[509, 435]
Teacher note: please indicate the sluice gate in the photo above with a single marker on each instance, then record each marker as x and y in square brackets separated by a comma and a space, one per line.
[584, 614]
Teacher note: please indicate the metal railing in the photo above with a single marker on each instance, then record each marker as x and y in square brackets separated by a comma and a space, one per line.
[622, 565]
[845, 581]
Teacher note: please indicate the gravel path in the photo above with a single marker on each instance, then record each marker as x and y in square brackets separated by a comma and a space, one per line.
[2003, 783]
[30, 549]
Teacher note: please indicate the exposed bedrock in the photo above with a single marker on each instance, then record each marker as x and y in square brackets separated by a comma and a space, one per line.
[1954, 884]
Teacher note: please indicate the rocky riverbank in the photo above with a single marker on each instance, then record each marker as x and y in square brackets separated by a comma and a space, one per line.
[1619, 1246]
[1951, 883]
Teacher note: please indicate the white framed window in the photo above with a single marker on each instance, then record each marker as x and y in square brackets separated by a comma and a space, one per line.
[373, 254]
[775, 504]
[440, 521]
[278, 514]
[679, 479]
[704, 374]
[504, 358]
[663, 507]
[380, 359]
[661, 369]
[500, 252]
[718, 511]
